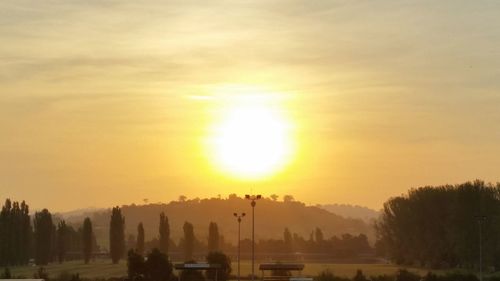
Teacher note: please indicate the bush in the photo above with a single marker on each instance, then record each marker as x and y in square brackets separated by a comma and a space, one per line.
[135, 266]
[158, 267]
[459, 277]
[405, 275]
[359, 276]
[6, 274]
[41, 274]
[382, 278]
[327, 275]
[225, 262]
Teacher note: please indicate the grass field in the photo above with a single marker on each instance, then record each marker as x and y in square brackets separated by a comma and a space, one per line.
[105, 269]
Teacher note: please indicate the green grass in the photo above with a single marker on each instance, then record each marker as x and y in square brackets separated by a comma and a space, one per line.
[105, 269]
[99, 268]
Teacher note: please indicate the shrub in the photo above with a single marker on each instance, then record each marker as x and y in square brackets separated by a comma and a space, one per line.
[405, 275]
[327, 275]
[217, 257]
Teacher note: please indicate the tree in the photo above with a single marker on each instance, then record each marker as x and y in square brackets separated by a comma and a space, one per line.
[43, 236]
[116, 235]
[437, 226]
[359, 276]
[287, 239]
[213, 237]
[87, 235]
[25, 234]
[158, 267]
[288, 198]
[6, 274]
[274, 197]
[53, 244]
[140, 239]
[188, 241]
[15, 233]
[62, 233]
[318, 234]
[223, 273]
[327, 275]
[135, 266]
[164, 230]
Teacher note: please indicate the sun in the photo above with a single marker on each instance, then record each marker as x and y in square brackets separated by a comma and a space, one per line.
[251, 141]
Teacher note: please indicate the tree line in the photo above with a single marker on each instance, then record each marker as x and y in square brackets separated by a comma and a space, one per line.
[44, 238]
[442, 226]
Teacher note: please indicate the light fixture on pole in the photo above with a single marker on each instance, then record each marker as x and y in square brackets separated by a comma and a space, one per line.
[239, 217]
[253, 198]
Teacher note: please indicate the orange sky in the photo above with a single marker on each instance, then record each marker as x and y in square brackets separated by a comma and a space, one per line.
[104, 104]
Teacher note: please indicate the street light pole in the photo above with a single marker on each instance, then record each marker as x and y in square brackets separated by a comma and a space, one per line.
[253, 198]
[239, 217]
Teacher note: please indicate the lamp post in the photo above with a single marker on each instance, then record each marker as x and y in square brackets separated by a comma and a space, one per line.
[239, 217]
[253, 198]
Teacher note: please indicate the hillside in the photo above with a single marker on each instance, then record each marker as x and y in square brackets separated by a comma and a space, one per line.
[352, 211]
[271, 217]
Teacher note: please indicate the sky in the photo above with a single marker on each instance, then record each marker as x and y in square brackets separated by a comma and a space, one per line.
[106, 103]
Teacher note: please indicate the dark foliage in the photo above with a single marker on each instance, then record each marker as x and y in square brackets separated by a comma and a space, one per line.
[62, 233]
[6, 274]
[139, 247]
[41, 273]
[359, 276]
[189, 241]
[217, 257]
[438, 226]
[157, 267]
[15, 233]
[329, 276]
[213, 237]
[87, 240]
[117, 235]
[164, 233]
[43, 237]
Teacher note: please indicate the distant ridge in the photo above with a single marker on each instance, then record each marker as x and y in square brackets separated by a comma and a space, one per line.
[271, 218]
[352, 211]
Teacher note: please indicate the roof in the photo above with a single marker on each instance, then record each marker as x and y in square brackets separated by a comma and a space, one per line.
[281, 266]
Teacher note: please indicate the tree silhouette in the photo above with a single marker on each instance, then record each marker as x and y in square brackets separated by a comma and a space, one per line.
[164, 230]
[438, 226]
[62, 233]
[224, 272]
[43, 236]
[158, 267]
[140, 239]
[213, 237]
[117, 235]
[15, 233]
[135, 265]
[87, 235]
[189, 240]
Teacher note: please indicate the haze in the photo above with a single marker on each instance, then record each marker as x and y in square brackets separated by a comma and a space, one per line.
[110, 103]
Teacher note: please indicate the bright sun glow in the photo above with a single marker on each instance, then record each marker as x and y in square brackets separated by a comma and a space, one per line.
[251, 141]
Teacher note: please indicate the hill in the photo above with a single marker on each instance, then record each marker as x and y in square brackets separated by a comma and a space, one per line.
[271, 218]
[350, 211]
